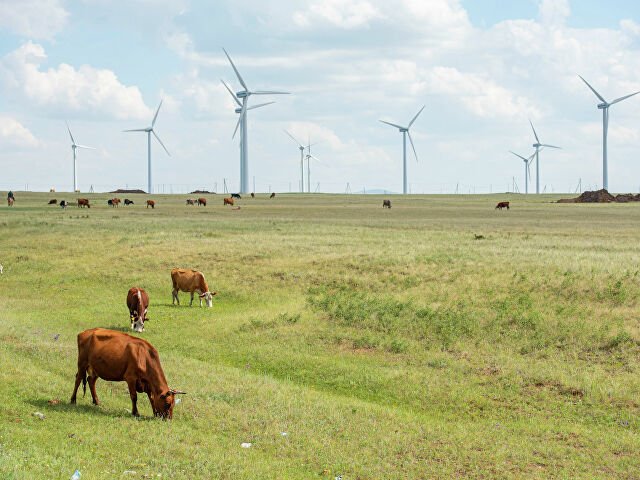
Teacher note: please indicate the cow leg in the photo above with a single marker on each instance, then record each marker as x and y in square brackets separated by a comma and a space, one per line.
[134, 397]
[191, 302]
[79, 377]
[92, 388]
[174, 297]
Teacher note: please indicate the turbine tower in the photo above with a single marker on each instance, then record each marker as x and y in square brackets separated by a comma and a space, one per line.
[74, 145]
[405, 132]
[537, 146]
[309, 157]
[527, 172]
[149, 131]
[242, 122]
[604, 106]
[302, 157]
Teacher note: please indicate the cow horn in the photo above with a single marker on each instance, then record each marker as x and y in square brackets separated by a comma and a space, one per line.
[213, 293]
[176, 392]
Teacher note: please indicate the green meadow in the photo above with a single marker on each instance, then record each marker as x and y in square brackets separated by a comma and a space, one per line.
[438, 339]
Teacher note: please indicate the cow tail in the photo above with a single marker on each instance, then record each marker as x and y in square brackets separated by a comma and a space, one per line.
[84, 383]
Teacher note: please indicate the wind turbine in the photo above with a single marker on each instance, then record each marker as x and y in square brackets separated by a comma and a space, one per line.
[405, 132]
[537, 146]
[527, 172]
[74, 145]
[242, 122]
[604, 106]
[309, 157]
[149, 131]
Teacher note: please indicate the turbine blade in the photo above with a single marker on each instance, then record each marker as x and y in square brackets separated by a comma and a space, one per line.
[593, 90]
[623, 98]
[519, 156]
[294, 139]
[160, 141]
[237, 125]
[84, 146]
[72, 140]
[412, 145]
[259, 105]
[231, 93]
[414, 118]
[153, 122]
[268, 92]
[392, 124]
[550, 146]
[136, 130]
[236, 70]
[534, 132]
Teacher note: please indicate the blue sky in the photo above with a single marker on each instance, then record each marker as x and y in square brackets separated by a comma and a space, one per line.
[483, 69]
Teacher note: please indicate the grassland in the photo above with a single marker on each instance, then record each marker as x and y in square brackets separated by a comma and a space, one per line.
[438, 339]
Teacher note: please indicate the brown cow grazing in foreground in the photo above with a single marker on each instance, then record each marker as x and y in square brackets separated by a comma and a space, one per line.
[502, 205]
[138, 302]
[202, 201]
[273, 194]
[53, 201]
[116, 356]
[83, 202]
[151, 203]
[190, 202]
[386, 203]
[228, 201]
[190, 281]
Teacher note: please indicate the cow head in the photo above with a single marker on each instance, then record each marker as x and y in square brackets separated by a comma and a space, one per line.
[208, 298]
[163, 404]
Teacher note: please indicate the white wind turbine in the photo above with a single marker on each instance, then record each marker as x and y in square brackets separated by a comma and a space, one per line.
[405, 132]
[537, 146]
[604, 106]
[74, 145]
[527, 172]
[309, 157]
[302, 156]
[149, 131]
[242, 122]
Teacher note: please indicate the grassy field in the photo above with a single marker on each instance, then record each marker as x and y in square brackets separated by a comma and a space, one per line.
[438, 339]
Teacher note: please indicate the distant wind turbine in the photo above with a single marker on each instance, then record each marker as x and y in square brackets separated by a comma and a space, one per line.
[309, 157]
[302, 156]
[537, 146]
[74, 145]
[242, 122]
[604, 106]
[405, 132]
[527, 172]
[149, 131]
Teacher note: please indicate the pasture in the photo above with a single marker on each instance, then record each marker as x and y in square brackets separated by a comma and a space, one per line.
[437, 339]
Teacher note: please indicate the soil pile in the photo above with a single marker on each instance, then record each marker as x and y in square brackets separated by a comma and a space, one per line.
[602, 196]
[203, 191]
[122, 190]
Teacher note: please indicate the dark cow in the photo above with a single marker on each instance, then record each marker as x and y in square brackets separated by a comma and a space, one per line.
[386, 203]
[273, 195]
[63, 204]
[128, 202]
[53, 201]
[190, 202]
[116, 356]
[151, 203]
[83, 202]
[228, 201]
[236, 195]
[190, 281]
[202, 201]
[502, 205]
[253, 195]
[110, 203]
[138, 302]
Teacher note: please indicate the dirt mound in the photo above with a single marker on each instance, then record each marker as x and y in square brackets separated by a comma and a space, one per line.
[204, 191]
[601, 196]
[122, 190]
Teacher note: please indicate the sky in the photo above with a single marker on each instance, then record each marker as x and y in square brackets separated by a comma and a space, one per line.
[483, 68]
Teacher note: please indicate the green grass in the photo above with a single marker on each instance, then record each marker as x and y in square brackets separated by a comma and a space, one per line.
[438, 339]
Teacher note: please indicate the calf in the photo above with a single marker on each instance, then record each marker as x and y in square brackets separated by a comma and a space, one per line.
[116, 356]
[53, 201]
[502, 205]
[228, 201]
[386, 203]
[138, 302]
[83, 202]
[190, 202]
[128, 202]
[202, 201]
[63, 204]
[273, 194]
[253, 195]
[190, 281]
[151, 203]
[236, 195]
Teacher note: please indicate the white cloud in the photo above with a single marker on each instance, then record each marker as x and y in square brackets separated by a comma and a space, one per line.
[86, 91]
[39, 19]
[345, 14]
[553, 12]
[13, 136]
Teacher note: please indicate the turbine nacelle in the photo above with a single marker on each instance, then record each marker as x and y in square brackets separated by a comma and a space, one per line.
[243, 94]
[602, 106]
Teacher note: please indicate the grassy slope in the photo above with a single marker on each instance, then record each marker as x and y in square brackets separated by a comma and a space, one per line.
[385, 343]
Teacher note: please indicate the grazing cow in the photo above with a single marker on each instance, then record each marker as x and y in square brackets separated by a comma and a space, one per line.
[273, 194]
[10, 201]
[115, 202]
[228, 201]
[202, 201]
[190, 281]
[128, 202]
[190, 202]
[116, 356]
[63, 204]
[386, 203]
[236, 195]
[502, 205]
[83, 202]
[53, 201]
[253, 195]
[110, 203]
[138, 302]
[151, 203]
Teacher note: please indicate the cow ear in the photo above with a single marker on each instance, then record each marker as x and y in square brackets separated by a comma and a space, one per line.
[213, 293]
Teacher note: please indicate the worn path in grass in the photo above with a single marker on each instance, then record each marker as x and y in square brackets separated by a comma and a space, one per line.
[438, 339]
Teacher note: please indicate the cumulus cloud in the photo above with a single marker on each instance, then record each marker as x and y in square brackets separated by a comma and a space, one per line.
[340, 13]
[13, 136]
[553, 12]
[64, 90]
[39, 19]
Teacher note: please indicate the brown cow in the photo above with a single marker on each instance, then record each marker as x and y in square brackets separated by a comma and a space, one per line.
[502, 205]
[273, 194]
[253, 195]
[228, 201]
[115, 202]
[190, 202]
[138, 302]
[116, 356]
[190, 281]
[53, 201]
[386, 203]
[151, 203]
[83, 202]
[202, 201]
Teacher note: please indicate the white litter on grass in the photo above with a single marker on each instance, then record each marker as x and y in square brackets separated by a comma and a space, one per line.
[39, 415]
[245, 445]
[284, 434]
[127, 410]
[131, 472]
[178, 400]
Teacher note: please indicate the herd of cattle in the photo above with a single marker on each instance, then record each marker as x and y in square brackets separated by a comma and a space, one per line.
[116, 356]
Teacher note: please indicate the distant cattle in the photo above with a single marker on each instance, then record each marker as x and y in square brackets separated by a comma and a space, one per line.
[151, 203]
[116, 356]
[502, 205]
[63, 204]
[273, 194]
[110, 203]
[128, 202]
[228, 201]
[190, 202]
[236, 195]
[253, 195]
[52, 190]
[202, 201]
[190, 281]
[386, 203]
[83, 202]
[53, 201]
[138, 303]
[115, 202]
[10, 201]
